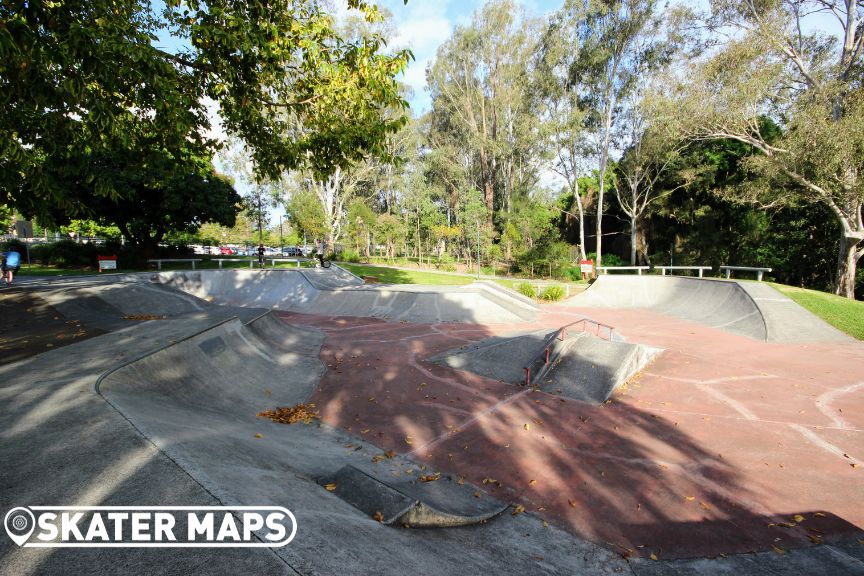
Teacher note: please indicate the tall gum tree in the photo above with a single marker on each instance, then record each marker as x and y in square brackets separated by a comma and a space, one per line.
[810, 84]
[614, 40]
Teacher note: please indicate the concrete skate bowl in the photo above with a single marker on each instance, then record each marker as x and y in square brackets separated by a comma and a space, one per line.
[750, 309]
[197, 400]
[342, 294]
[568, 362]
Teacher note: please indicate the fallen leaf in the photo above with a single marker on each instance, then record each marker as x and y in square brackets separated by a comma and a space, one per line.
[572, 503]
[778, 550]
[259, 435]
[431, 477]
[819, 514]
[691, 497]
[331, 487]
[814, 539]
[378, 516]
[798, 518]
[653, 557]
[532, 482]
[527, 426]
[518, 509]
[409, 440]
[476, 494]
[377, 458]
[390, 454]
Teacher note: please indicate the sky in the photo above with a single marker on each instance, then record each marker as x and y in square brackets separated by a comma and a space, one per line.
[423, 25]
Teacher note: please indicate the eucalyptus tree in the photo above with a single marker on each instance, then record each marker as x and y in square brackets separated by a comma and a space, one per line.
[562, 117]
[618, 42]
[809, 83]
[481, 101]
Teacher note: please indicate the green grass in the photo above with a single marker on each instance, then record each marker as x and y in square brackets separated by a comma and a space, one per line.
[842, 313]
[394, 276]
[38, 270]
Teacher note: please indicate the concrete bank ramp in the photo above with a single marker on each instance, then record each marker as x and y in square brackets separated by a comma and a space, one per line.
[112, 303]
[581, 366]
[335, 292]
[746, 308]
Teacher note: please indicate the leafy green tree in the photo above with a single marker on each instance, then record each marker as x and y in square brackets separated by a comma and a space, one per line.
[361, 224]
[306, 214]
[808, 83]
[160, 196]
[77, 73]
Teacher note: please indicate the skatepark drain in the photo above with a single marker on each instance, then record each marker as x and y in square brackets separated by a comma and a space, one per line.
[301, 412]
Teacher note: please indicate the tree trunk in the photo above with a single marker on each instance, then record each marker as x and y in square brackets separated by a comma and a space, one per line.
[633, 240]
[847, 261]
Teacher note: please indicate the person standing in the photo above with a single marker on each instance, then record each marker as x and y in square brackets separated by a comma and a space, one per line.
[320, 248]
[11, 265]
[261, 254]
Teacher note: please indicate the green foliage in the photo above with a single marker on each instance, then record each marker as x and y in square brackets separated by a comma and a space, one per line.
[76, 74]
[445, 262]
[552, 293]
[349, 255]
[526, 289]
[306, 213]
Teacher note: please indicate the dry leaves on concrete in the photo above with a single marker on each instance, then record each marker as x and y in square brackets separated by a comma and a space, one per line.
[301, 412]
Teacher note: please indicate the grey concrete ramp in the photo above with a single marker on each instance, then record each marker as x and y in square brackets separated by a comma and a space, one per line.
[716, 303]
[109, 304]
[335, 292]
[750, 309]
[589, 368]
[500, 358]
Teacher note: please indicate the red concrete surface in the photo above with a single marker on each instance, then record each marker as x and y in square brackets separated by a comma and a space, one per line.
[721, 445]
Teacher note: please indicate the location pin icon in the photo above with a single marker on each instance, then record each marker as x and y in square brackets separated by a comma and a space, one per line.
[19, 524]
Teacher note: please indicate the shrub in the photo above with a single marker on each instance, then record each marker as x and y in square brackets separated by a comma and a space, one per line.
[553, 293]
[349, 256]
[445, 262]
[526, 289]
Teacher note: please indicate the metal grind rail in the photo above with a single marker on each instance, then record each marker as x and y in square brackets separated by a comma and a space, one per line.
[599, 329]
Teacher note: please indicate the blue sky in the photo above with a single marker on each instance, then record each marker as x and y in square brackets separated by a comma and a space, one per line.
[423, 25]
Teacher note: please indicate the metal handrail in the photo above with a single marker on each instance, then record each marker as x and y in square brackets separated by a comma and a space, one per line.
[560, 334]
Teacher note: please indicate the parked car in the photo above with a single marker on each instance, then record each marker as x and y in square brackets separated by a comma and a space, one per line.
[226, 251]
[292, 252]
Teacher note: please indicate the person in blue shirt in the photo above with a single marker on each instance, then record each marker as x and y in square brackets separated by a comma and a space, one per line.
[11, 265]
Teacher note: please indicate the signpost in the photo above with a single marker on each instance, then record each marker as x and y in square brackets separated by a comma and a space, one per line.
[107, 262]
[587, 268]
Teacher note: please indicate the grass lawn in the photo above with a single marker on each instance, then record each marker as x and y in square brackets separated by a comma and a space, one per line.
[842, 313]
[401, 276]
[38, 270]
[394, 276]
